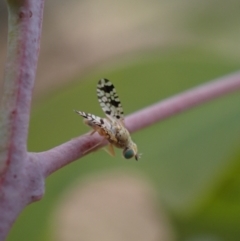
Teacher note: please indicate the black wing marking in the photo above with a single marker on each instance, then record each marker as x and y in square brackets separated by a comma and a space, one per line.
[108, 99]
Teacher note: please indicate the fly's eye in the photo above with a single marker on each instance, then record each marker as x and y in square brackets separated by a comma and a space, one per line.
[129, 153]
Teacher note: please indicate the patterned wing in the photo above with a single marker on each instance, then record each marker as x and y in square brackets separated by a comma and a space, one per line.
[102, 126]
[109, 100]
[96, 120]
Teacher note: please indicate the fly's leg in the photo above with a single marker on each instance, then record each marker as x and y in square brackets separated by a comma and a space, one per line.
[95, 146]
[92, 132]
[110, 150]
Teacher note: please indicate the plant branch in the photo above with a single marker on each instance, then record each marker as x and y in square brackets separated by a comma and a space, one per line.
[59, 156]
[20, 180]
[183, 101]
[24, 21]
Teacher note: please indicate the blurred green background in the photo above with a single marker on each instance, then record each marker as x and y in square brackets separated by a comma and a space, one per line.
[150, 51]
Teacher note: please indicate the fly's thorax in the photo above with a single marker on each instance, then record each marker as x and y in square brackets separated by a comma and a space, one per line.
[120, 133]
[123, 135]
[118, 138]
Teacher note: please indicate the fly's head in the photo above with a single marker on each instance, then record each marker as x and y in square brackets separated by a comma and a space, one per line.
[131, 151]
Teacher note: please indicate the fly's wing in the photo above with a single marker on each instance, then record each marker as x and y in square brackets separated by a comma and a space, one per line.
[102, 126]
[92, 119]
[109, 100]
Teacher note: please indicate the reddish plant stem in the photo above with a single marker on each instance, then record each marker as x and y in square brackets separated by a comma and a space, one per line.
[24, 32]
[60, 156]
[183, 101]
[20, 180]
